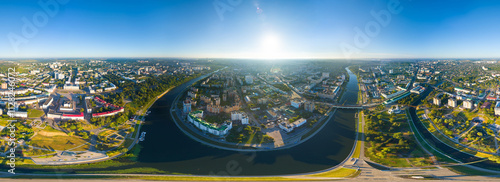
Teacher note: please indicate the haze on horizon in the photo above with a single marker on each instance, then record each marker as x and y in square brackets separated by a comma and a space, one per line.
[250, 29]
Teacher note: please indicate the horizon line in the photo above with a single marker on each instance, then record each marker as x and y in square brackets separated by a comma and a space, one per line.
[298, 58]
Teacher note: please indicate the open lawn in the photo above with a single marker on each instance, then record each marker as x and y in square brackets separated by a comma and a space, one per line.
[4, 121]
[398, 153]
[34, 113]
[36, 152]
[56, 140]
[336, 173]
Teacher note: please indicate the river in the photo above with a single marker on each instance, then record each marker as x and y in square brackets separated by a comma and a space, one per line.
[167, 148]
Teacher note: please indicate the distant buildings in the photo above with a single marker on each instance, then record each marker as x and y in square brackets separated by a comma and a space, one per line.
[249, 79]
[71, 87]
[325, 75]
[462, 90]
[59, 76]
[418, 90]
[329, 93]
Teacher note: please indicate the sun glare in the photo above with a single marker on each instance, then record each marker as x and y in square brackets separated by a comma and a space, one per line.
[270, 42]
[270, 47]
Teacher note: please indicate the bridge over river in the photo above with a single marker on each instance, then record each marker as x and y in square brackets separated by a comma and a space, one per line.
[355, 106]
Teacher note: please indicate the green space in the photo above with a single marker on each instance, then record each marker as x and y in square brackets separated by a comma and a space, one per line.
[34, 113]
[248, 135]
[446, 139]
[357, 150]
[282, 87]
[337, 173]
[55, 140]
[390, 142]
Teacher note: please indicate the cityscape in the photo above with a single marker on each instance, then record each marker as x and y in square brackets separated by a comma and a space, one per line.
[250, 91]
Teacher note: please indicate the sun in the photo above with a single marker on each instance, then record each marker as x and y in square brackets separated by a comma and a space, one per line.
[270, 42]
[270, 47]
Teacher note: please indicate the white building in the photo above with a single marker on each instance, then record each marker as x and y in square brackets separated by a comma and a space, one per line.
[497, 109]
[296, 103]
[47, 103]
[452, 102]
[436, 101]
[395, 110]
[195, 118]
[245, 120]
[288, 127]
[462, 90]
[59, 76]
[71, 87]
[238, 115]
[18, 114]
[468, 104]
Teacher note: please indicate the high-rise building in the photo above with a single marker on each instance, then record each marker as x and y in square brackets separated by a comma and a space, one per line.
[436, 101]
[468, 104]
[186, 106]
[452, 102]
[58, 76]
[497, 108]
[309, 106]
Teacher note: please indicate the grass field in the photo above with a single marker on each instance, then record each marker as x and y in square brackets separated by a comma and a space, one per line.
[56, 140]
[357, 150]
[412, 157]
[339, 173]
[36, 152]
[34, 113]
[336, 173]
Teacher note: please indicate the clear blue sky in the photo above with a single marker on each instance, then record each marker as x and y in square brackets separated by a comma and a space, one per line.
[277, 29]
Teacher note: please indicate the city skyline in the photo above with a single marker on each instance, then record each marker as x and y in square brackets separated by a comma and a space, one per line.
[251, 29]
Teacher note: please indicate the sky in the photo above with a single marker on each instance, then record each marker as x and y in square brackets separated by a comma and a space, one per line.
[267, 29]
